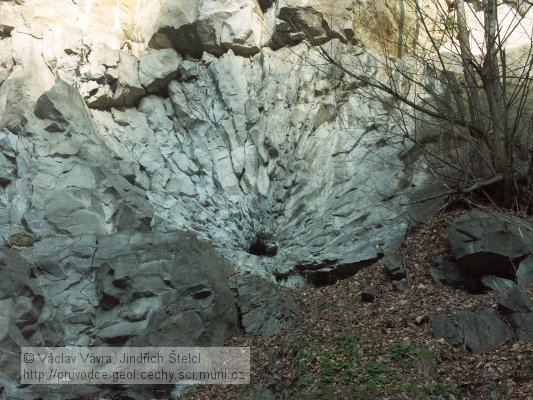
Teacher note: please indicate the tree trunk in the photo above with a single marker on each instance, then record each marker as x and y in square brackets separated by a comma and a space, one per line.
[530, 183]
[501, 141]
[469, 72]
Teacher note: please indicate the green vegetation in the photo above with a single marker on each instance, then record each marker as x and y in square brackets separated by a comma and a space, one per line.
[529, 369]
[362, 368]
[399, 351]
[450, 25]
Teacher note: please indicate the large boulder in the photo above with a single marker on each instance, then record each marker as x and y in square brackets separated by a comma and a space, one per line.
[518, 306]
[135, 289]
[524, 274]
[486, 244]
[265, 308]
[478, 331]
[449, 273]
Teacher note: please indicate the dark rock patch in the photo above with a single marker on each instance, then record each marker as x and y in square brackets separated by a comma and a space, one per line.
[369, 294]
[329, 272]
[264, 308]
[478, 331]
[399, 286]
[518, 307]
[448, 273]
[485, 244]
[394, 267]
[524, 274]
[262, 246]
[265, 4]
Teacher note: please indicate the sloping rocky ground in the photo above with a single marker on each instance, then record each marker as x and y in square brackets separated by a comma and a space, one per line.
[339, 347]
[130, 128]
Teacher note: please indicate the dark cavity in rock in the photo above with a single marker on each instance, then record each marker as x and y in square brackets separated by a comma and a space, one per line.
[262, 246]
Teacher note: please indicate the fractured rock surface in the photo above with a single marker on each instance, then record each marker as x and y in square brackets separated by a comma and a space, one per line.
[135, 289]
[478, 331]
[122, 134]
[487, 244]
[265, 310]
[128, 128]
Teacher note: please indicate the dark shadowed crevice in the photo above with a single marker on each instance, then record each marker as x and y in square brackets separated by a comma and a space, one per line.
[265, 4]
[262, 246]
[319, 277]
[325, 273]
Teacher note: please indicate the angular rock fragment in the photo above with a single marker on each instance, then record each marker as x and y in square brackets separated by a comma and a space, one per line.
[524, 274]
[444, 327]
[399, 286]
[446, 272]
[264, 308]
[369, 294]
[394, 267]
[63, 109]
[515, 302]
[492, 282]
[486, 244]
[478, 331]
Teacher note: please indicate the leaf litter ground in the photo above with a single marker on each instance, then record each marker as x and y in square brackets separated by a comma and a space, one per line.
[341, 348]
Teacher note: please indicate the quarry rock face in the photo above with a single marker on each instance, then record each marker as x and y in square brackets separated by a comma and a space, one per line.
[131, 289]
[125, 122]
[130, 132]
